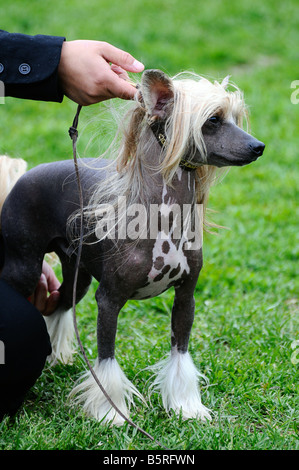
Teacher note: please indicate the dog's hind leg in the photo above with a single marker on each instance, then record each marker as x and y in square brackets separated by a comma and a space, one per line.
[112, 378]
[60, 323]
[177, 377]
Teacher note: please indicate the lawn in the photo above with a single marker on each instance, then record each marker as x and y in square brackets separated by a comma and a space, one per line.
[245, 335]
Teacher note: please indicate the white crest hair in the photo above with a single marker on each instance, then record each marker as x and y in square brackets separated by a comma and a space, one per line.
[195, 100]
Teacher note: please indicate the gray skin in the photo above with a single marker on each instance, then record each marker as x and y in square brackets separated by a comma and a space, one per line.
[34, 222]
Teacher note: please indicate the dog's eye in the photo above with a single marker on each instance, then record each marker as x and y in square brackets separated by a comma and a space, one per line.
[214, 119]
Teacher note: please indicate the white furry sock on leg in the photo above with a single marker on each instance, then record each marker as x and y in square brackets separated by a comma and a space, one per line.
[117, 386]
[177, 380]
[61, 331]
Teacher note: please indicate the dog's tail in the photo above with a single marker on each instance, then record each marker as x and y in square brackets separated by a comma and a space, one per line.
[11, 169]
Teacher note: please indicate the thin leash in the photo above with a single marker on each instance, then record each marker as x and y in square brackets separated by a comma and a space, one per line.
[73, 132]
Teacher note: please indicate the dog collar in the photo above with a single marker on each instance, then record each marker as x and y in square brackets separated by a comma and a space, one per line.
[158, 128]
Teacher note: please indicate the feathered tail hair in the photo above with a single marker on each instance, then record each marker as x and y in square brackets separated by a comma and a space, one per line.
[11, 169]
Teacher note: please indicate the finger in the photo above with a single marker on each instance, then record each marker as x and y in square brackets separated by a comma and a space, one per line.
[40, 294]
[120, 72]
[121, 89]
[52, 281]
[121, 58]
[51, 303]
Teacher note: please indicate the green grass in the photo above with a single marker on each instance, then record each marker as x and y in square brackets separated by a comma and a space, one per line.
[247, 294]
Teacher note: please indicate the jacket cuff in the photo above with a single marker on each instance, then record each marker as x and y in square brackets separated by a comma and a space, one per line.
[29, 66]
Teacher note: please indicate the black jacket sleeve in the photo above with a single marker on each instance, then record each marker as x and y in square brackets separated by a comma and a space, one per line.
[28, 66]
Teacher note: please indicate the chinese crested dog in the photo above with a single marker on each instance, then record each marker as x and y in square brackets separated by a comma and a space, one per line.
[144, 211]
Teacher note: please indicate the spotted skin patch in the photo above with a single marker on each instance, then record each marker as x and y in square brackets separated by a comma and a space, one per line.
[170, 264]
[165, 247]
[159, 262]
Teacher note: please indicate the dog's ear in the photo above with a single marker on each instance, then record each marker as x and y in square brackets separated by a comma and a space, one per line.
[157, 93]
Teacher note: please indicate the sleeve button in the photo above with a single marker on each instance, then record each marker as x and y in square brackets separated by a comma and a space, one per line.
[1, 67]
[24, 69]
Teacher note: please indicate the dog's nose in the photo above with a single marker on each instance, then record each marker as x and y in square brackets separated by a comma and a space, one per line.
[257, 148]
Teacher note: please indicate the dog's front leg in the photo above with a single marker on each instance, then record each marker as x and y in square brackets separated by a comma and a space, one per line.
[177, 377]
[109, 373]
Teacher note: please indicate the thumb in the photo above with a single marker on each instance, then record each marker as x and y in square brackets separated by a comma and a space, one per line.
[121, 58]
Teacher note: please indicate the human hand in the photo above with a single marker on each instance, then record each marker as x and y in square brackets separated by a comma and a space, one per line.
[94, 71]
[48, 283]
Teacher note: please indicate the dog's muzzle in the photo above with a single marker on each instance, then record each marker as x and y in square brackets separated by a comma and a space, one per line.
[256, 149]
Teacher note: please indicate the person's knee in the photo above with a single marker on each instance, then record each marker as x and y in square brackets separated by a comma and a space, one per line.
[26, 345]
